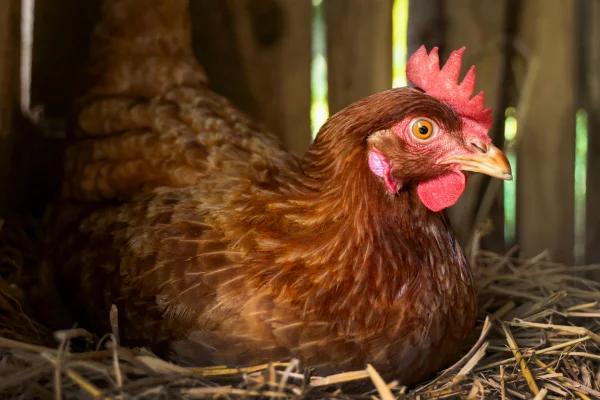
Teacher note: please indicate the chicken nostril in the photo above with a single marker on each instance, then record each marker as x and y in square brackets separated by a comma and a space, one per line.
[479, 146]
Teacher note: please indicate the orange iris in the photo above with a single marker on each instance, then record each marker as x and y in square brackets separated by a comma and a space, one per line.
[422, 129]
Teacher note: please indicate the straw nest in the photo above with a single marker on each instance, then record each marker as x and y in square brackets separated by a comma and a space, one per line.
[537, 337]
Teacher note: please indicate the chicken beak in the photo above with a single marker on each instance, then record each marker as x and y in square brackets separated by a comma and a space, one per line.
[493, 163]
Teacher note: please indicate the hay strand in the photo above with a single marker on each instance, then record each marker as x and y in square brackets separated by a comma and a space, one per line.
[520, 360]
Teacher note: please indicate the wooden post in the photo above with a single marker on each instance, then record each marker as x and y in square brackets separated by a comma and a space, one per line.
[505, 96]
[592, 103]
[359, 49]
[274, 38]
[62, 30]
[61, 46]
[480, 27]
[10, 14]
[547, 131]
[426, 25]
[257, 53]
[217, 48]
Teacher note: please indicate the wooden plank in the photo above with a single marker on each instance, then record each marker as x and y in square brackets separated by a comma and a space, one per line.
[547, 131]
[426, 25]
[359, 49]
[61, 45]
[9, 91]
[274, 42]
[257, 54]
[592, 103]
[505, 96]
[480, 26]
[9, 67]
[217, 48]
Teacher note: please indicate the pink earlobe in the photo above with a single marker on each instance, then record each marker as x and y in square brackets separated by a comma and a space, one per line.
[380, 166]
[443, 191]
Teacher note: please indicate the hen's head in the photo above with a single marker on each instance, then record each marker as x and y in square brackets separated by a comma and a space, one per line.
[426, 136]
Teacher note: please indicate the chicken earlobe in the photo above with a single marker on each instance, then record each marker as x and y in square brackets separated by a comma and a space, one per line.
[380, 166]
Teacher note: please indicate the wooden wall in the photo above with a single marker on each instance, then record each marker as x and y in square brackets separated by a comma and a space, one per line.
[590, 36]
[547, 144]
[60, 45]
[527, 56]
[480, 26]
[532, 55]
[258, 54]
[540, 56]
[62, 31]
[9, 91]
[359, 50]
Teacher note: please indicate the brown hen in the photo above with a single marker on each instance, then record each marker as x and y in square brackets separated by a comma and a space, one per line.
[219, 247]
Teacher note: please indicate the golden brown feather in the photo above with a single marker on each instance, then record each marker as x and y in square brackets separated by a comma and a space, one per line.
[219, 247]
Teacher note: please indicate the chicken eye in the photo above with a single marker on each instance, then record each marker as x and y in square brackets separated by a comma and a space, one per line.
[422, 129]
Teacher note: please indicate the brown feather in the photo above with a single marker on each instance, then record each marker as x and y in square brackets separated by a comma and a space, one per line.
[218, 246]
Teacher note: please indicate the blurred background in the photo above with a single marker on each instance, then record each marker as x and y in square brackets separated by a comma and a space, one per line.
[292, 63]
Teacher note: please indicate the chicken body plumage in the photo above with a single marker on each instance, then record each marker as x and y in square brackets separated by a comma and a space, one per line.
[255, 261]
[219, 247]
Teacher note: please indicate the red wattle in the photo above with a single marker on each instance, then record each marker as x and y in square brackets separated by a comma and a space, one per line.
[443, 191]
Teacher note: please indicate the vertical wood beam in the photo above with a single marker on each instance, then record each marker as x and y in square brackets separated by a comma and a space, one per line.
[592, 103]
[60, 51]
[274, 41]
[215, 43]
[480, 26]
[426, 24]
[547, 131]
[62, 29]
[359, 49]
[10, 18]
[505, 96]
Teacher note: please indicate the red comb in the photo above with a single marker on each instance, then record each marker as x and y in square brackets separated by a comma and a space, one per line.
[423, 70]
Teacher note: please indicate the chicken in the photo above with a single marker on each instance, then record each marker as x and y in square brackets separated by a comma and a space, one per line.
[219, 247]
